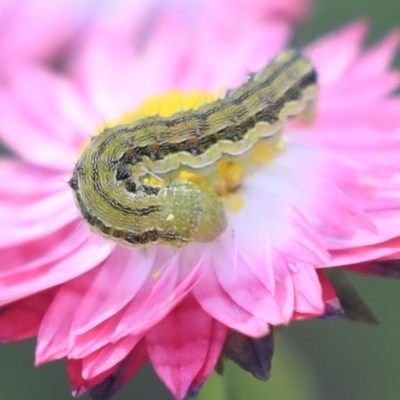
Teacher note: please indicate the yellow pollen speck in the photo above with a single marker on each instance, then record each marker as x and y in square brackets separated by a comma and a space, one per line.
[264, 152]
[156, 275]
[235, 202]
[260, 154]
[230, 169]
[280, 145]
[192, 177]
[170, 217]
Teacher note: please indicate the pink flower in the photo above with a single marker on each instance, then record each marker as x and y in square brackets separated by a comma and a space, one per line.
[52, 32]
[330, 196]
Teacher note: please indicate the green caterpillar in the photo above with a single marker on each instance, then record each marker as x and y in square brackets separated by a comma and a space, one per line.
[108, 180]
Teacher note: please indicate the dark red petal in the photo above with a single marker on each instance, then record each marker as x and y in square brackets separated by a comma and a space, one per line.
[333, 307]
[353, 305]
[385, 268]
[107, 384]
[218, 335]
[79, 385]
[111, 385]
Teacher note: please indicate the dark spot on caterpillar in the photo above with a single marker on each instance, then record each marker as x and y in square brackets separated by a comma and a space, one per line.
[117, 233]
[142, 238]
[73, 183]
[293, 94]
[193, 150]
[92, 220]
[267, 116]
[152, 155]
[148, 190]
[130, 186]
[123, 173]
[105, 229]
[250, 77]
[80, 169]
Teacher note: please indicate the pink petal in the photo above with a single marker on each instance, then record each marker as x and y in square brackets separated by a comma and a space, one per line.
[33, 182]
[86, 256]
[179, 345]
[332, 306]
[387, 222]
[360, 99]
[79, 385]
[259, 45]
[365, 253]
[216, 302]
[335, 53]
[49, 25]
[52, 115]
[368, 184]
[97, 75]
[307, 291]
[30, 255]
[80, 346]
[172, 277]
[291, 10]
[108, 357]
[184, 66]
[22, 319]
[121, 276]
[30, 219]
[377, 59]
[288, 228]
[236, 277]
[331, 212]
[54, 333]
[148, 304]
[367, 125]
[120, 374]
[39, 195]
[216, 342]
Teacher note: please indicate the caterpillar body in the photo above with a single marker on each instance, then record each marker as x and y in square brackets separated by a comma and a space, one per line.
[108, 180]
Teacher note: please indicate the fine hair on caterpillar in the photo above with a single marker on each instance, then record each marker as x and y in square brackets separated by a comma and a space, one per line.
[111, 179]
